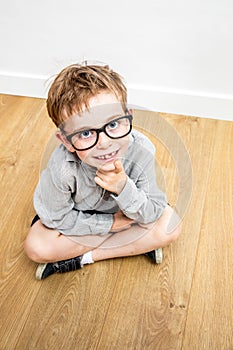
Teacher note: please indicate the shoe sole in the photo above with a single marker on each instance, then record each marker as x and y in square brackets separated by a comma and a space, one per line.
[39, 271]
[159, 255]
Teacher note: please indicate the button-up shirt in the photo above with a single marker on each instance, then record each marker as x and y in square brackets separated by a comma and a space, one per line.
[68, 199]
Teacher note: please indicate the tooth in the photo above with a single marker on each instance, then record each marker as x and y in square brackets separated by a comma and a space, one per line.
[107, 156]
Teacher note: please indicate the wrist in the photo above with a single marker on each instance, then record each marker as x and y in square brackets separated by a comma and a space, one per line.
[120, 186]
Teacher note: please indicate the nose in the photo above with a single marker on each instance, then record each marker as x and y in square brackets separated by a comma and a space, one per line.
[104, 141]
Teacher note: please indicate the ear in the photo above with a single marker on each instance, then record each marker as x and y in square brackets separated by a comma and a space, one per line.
[64, 141]
[130, 111]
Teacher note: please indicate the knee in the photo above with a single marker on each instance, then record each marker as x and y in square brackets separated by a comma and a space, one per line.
[36, 249]
[33, 249]
[163, 238]
[168, 228]
[173, 233]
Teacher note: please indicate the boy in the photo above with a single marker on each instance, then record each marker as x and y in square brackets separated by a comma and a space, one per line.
[98, 198]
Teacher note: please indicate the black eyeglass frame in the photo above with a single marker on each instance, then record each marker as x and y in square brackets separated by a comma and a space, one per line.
[98, 131]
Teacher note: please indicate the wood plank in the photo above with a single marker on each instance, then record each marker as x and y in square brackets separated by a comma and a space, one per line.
[69, 310]
[121, 303]
[19, 158]
[28, 321]
[210, 315]
[149, 311]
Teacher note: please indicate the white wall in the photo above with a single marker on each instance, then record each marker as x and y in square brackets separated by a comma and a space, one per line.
[175, 55]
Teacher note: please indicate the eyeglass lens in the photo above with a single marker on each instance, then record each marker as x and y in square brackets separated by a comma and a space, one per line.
[115, 129]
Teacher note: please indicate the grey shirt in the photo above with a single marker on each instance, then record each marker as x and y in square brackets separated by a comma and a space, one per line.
[68, 199]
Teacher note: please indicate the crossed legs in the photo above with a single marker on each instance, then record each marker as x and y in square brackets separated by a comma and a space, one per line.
[45, 245]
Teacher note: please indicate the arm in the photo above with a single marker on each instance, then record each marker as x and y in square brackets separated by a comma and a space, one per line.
[121, 222]
[139, 198]
[54, 204]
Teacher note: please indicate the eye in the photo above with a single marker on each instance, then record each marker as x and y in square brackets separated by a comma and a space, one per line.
[85, 134]
[113, 125]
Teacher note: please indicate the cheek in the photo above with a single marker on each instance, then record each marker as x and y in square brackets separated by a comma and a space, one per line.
[83, 155]
[125, 144]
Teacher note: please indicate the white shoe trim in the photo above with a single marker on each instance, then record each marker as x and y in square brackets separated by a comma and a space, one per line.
[39, 271]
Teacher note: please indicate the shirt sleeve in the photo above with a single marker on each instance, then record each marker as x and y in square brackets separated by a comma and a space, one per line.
[54, 204]
[141, 199]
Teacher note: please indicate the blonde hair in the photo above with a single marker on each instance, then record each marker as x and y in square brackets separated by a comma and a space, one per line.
[73, 87]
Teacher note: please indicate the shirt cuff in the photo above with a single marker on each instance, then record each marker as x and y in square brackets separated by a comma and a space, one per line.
[125, 198]
[104, 224]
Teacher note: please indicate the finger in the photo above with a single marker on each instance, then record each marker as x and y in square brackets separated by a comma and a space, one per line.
[118, 166]
[103, 174]
[99, 181]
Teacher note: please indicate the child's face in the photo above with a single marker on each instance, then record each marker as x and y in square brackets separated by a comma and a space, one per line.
[103, 108]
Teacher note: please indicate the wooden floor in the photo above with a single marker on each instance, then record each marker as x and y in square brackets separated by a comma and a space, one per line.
[129, 303]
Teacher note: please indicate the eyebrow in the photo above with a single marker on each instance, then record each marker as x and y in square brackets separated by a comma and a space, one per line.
[90, 127]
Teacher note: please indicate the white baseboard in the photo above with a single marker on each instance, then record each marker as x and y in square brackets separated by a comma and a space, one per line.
[23, 85]
[217, 106]
[182, 102]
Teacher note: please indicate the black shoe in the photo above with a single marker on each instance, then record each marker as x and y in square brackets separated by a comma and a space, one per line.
[155, 255]
[45, 270]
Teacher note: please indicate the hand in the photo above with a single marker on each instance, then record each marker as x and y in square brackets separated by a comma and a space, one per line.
[112, 177]
[121, 222]
[147, 226]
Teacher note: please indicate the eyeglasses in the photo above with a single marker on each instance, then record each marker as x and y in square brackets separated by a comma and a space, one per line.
[86, 139]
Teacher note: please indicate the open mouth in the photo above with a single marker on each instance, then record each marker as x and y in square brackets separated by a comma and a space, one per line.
[107, 156]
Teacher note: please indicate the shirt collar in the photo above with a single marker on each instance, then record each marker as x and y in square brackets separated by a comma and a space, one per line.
[72, 157]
